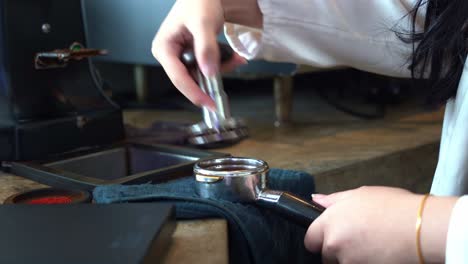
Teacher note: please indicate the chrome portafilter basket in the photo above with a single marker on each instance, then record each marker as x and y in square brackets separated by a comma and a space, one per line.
[217, 128]
[245, 180]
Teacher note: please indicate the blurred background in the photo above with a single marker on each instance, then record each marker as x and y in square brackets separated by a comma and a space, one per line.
[135, 79]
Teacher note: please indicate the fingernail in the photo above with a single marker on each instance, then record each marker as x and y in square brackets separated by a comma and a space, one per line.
[210, 105]
[209, 69]
[212, 108]
[317, 196]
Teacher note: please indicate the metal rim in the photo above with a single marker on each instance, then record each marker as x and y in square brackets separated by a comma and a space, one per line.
[212, 170]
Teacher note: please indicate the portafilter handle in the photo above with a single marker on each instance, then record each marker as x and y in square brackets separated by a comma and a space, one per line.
[290, 206]
[212, 86]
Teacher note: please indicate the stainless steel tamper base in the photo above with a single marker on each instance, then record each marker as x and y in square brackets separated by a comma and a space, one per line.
[230, 131]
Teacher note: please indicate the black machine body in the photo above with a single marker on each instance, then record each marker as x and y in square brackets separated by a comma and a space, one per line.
[51, 97]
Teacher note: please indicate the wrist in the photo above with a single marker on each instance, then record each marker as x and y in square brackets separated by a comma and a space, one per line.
[434, 228]
[246, 12]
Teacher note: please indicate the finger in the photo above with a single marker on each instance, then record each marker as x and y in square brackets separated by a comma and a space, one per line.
[184, 82]
[317, 196]
[204, 29]
[329, 200]
[180, 76]
[314, 237]
[206, 51]
[233, 63]
[314, 241]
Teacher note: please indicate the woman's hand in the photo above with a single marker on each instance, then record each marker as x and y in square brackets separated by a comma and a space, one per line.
[196, 24]
[377, 225]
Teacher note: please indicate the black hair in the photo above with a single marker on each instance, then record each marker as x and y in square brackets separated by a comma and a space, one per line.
[440, 50]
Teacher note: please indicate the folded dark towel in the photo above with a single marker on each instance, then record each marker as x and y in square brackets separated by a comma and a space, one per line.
[256, 235]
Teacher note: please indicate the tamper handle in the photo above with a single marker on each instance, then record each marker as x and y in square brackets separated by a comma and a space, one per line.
[226, 52]
[212, 86]
[189, 59]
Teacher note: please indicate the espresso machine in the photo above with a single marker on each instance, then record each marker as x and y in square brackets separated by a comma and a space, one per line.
[58, 124]
[51, 98]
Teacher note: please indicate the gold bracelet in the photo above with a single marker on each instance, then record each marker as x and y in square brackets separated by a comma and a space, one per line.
[418, 228]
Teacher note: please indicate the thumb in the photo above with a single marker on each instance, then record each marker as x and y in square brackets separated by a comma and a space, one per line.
[204, 30]
[314, 237]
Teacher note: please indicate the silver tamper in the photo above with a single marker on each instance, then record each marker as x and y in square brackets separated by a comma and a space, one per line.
[217, 128]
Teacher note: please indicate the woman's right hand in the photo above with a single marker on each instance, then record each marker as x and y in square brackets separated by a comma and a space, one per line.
[377, 225]
[192, 24]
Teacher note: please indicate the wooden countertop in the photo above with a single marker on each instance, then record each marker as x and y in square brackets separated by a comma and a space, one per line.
[340, 151]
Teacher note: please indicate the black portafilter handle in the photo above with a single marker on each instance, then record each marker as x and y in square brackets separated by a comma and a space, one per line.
[294, 208]
[189, 59]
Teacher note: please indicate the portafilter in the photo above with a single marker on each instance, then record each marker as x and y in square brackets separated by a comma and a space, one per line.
[245, 180]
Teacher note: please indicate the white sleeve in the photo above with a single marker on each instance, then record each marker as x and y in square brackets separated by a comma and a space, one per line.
[457, 237]
[330, 33]
[451, 176]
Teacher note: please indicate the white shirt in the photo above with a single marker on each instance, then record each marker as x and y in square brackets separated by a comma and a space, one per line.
[360, 34]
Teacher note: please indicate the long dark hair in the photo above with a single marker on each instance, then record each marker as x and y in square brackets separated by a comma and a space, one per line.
[440, 50]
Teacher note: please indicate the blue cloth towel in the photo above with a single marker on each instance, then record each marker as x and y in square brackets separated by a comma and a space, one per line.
[256, 235]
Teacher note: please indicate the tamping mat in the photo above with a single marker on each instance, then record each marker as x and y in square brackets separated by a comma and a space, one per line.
[256, 235]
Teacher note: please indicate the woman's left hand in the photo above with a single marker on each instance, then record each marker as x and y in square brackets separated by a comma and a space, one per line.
[377, 225]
